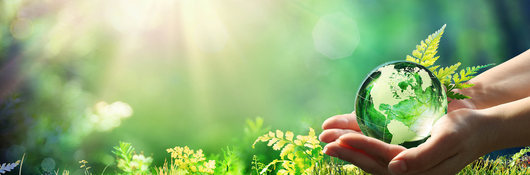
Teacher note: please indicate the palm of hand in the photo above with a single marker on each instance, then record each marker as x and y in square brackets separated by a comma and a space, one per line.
[347, 142]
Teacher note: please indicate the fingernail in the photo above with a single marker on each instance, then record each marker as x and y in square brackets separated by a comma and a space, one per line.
[330, 153]
[397, 167]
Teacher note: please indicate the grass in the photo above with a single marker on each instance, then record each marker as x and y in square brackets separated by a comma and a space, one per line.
[297, 155]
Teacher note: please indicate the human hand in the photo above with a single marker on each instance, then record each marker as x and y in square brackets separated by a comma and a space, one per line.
[456, 140]
[347, 142]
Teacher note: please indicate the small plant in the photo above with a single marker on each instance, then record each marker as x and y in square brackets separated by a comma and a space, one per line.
[130, 163]
[253, 129]
[84, 167]
[257, 165]
[299, 156]
[124, 156]
[517, 156]
[230, 164]
[186, 161]
[8, 167]
[65, 172]
[425, 55]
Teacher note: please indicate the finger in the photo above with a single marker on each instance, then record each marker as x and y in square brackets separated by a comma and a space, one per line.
[330, 135]
[425, 156]
[356, 157]
[379, 150]
[345, 121]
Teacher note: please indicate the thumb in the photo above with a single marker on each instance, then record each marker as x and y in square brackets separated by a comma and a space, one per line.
[423, 157]
[398, 166]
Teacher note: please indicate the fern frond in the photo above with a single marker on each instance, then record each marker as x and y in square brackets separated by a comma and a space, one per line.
[457, 96]
[433, 68]
[266, 168]
[272, 141]
[279, 145]
[412, 59]
[289, 136]
[8, 167]
[271, 134]
[426, 51]
[463, 85]
[425, 56]
[299, 156]
[467, 73]
[311, 132]
[279, 134]
[288, 149]
[444, 75]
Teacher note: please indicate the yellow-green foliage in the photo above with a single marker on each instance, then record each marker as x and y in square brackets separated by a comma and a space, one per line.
[186, 161]
[131, 163]
[297, 156]
[84, 167]
[517, 156]
[425, 55]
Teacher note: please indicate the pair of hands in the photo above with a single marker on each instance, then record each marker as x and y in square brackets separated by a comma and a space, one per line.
[461, 136]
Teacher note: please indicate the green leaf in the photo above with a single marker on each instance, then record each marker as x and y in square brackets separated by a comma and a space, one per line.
[412, 59]
[444, 75]
[457, 96]
[264, 170]
[425, 56]
[463, 85]
[518, 155]
[467, 73]
[287, 150]
[426, 51]
[279, 145]
[433, 68]
[272, 141]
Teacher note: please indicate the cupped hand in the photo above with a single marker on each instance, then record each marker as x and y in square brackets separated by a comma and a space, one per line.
[456, 140]
[347, 142]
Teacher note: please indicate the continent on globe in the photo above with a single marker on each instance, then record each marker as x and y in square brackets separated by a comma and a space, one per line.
[399, 102]
[400, 132]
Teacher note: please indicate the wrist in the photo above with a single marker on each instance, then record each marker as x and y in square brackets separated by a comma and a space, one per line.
[484, 96]
[509, 124]
[490, 128]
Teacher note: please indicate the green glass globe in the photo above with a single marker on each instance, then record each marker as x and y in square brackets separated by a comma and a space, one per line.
[399, 102]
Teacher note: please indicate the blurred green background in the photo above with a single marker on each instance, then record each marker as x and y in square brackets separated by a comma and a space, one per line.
[190, 72]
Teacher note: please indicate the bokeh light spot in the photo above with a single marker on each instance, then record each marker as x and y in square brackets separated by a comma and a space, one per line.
[48, 164]
[15, 152]
[121, 109]
[109, 116]
[94, 118]
[211, 35]
[21, 28]
[336, 36]
[107, 159]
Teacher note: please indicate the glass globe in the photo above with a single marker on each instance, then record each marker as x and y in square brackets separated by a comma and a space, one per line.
[399, 102]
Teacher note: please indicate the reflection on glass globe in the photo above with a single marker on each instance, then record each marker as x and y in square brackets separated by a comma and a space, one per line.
[399, 102]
